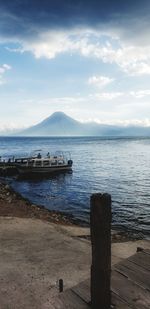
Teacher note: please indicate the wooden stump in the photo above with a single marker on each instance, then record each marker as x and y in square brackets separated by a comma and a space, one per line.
[101, 251]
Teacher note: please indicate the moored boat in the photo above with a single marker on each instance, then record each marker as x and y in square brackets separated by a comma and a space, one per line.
[43, 164]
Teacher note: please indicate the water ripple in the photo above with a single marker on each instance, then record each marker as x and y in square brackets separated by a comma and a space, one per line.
[119, 166]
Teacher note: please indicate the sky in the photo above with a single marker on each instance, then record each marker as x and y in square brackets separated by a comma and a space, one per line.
[88, 59]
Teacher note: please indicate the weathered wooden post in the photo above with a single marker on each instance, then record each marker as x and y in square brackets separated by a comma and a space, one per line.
[101, 251]
[61, 285]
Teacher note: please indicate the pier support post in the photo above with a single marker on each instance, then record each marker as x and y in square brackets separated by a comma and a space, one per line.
[101, 251]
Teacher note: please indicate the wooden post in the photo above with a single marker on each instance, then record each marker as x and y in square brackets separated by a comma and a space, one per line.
[61, 285]
[101, 251]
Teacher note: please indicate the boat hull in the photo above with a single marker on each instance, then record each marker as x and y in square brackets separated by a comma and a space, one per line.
[43, 170]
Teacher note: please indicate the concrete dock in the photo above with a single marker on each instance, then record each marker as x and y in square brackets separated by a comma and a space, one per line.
[35, 254]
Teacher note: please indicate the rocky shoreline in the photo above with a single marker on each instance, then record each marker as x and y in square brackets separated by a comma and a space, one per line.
[12, 204]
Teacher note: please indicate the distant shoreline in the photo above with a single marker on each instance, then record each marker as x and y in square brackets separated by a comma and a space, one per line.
[78, 136]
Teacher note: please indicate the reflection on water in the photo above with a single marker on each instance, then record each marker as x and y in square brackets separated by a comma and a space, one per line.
[39, 177]
[119, 166]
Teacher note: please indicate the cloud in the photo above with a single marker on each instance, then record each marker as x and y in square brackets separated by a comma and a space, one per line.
[125, 122]
[25, 17]
[3, 68]
[91, 43]
[133, 60]
[100, 81]
[140, 94]
[24, 20]
[50, 44]
[9, 127]
[108, 95]
[6, 66]
[99, 29]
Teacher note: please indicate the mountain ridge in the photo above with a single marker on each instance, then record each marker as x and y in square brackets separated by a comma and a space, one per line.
[60, 124]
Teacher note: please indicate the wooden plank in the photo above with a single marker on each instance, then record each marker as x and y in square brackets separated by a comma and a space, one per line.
[135, 273]
[118, 303]
[68, 300]
[142, 259]
[83, 290]
[130, 286]
[130, 292]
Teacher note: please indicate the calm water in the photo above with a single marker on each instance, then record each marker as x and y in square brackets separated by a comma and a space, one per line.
[119, 166]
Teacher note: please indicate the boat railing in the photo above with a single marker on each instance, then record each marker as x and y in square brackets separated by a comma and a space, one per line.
[43, 162]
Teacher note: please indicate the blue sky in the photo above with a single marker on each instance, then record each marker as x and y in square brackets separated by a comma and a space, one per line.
[89, 59]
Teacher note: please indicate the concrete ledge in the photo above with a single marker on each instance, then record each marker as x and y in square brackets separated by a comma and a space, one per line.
[34, 254]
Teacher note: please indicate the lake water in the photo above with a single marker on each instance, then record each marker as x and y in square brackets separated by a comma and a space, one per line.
[119, 166]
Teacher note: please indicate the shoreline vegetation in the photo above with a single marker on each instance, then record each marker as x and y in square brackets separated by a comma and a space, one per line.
[12, 204]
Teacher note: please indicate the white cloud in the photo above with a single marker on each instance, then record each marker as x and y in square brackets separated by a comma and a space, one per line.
[5, 67]
[105, 45]
[132, 59]
[10, 127]
[108, 95]
[100, 81]
[50, 44]
[125, 122]
[140, 94]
